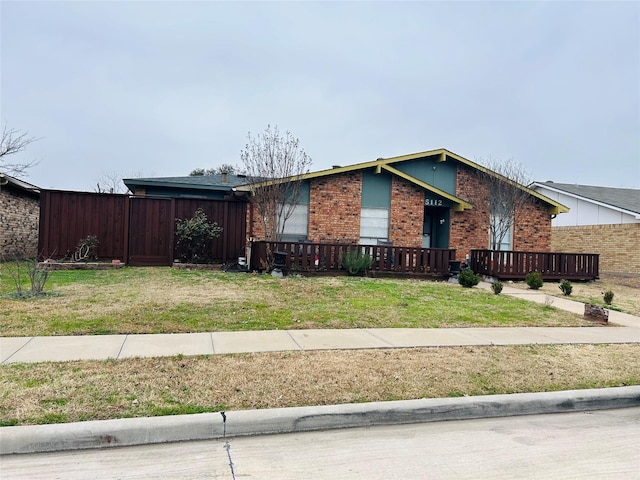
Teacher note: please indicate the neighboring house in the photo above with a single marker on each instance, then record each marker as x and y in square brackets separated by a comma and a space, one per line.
[602, 220]
[199, 186]
[19, 218]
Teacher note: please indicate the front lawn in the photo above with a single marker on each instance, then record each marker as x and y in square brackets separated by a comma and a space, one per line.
[165, 300]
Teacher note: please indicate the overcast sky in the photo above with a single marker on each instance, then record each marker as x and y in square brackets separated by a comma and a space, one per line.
[154, 88]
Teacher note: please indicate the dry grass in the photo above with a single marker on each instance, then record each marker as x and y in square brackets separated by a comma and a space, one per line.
[626, 289]
[85, 390]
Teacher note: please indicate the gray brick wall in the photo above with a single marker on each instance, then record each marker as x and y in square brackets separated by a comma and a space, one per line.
[19, 217]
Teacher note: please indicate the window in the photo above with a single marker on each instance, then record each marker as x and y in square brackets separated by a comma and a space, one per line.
[501, 233]
[374, 225]
[297, 225]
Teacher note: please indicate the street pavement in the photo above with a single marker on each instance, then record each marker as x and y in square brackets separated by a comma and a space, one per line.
[587, 445]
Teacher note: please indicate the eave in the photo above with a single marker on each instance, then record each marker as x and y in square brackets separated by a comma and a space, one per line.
[459, 204]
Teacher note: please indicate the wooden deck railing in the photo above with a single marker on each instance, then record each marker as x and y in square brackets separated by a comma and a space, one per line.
[512, 265]
[327, 257]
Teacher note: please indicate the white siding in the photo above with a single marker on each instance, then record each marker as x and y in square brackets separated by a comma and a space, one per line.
[584, 212]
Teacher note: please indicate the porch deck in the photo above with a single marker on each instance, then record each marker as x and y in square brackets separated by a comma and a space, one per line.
[307, 257]
[514, 265]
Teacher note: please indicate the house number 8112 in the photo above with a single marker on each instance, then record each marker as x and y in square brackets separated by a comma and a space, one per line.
[433, 203]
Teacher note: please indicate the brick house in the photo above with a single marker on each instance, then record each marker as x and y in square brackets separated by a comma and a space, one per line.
[431, 199]
[19, 217]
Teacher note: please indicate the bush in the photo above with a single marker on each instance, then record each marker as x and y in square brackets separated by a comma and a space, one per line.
[194, 236]
[355, 262]
[608, 297]
[534, 280]
[468, 279]
[566, 287]
[497, 287]
[38, 276]
[86, 250]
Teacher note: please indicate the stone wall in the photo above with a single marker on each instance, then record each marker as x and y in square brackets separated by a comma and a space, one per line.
[19, 219]
[618, 245]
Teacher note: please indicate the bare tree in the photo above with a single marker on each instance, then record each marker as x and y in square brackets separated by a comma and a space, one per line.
[224, 168]
[12, 142]
[508, 193]
[274, 164]
[110, 181]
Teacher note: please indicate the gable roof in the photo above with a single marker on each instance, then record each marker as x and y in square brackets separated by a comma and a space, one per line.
[18, 184]
[443, 155]
[219, 182]
[622, 199]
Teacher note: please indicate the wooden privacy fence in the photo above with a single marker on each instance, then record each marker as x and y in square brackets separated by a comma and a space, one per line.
[327, 257]
[512, 265]
[135, 230]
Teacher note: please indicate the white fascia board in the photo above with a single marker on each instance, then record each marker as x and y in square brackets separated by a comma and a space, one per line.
[636, 215]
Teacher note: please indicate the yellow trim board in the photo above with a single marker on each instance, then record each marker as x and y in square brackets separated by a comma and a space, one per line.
[444, 155]
[460, 204]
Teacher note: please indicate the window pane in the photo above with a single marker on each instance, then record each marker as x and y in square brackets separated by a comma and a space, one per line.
[374, 223]
[297, 224]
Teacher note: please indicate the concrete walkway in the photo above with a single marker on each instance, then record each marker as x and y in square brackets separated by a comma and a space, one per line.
[624, 328]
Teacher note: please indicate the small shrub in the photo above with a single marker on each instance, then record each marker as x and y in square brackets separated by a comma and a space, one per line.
[38, 277]
[355, 262]
[468, 279]
[534, 280]
[566, 287]
[194, 236]
[497, 287]
[608, 297]
[86, 250]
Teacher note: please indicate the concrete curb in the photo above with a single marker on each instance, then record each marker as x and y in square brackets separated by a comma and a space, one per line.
[206, 426]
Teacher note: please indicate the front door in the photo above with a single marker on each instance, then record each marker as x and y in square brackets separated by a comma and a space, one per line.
[435, 228]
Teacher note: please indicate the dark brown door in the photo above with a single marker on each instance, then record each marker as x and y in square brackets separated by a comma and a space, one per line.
[151, 231]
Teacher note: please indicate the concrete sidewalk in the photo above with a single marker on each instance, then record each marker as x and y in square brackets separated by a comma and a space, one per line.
[101, 347]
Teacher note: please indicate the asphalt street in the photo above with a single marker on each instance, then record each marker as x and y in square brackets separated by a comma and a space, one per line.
[602, 444]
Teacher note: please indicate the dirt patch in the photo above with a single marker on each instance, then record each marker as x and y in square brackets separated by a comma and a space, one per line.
[626, 289]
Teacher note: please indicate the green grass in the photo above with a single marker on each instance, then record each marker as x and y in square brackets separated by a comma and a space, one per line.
[165, 300]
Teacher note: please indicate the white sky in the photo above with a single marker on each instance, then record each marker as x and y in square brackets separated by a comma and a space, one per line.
[154, 88]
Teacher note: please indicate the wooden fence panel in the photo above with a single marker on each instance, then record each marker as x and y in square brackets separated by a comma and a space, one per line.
[137, 227]
[68, 217]
[151, 231]
[230, 215]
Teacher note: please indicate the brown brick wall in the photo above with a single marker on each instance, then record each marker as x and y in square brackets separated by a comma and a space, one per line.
[19, 217]
[256, 227]
[406, 215]
[618, 245]
[470, 228]
[334, 208]
[532, 228]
